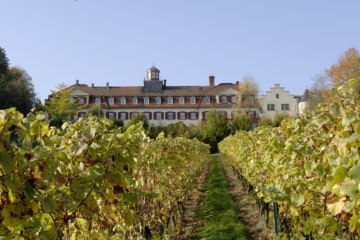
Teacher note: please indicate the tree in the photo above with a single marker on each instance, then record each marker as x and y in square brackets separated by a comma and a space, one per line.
[320, 91]
[347, 67]
[4, 62]
[215, 129]
[17, 90]
[60, 106]
[240, 122]
[248, 93]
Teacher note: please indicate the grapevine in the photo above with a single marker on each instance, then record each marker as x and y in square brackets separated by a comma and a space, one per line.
[310, 166]
[90, 179]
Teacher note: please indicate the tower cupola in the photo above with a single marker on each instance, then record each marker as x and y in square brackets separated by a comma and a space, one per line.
[153, 74]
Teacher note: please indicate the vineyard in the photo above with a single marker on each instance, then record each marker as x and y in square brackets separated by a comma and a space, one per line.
[309, 168]
[91, 180]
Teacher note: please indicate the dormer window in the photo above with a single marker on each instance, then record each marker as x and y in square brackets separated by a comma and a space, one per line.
[170, 100]
[181, 100]
[111, 101]
[146, 100]
[123, 101]
[135, 100]
[277, 96]
[207, 100]
[192, 100]
[97, 101]
[158, 100]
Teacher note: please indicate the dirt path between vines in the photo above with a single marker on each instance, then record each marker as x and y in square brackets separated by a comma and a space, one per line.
[249, 214]
[189, 222]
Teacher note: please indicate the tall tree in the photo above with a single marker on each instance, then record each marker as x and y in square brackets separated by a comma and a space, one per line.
[347, 67]
[240, 122]
[4, 62]
[17, 90]
[320, 90]
[248, 93]
[60, 106]
[215, 129]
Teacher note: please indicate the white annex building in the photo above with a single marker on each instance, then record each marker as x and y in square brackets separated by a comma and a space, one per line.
[278, 100]
[163, 104]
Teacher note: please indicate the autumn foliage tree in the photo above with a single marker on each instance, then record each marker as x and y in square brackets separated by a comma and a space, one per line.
[347, 67]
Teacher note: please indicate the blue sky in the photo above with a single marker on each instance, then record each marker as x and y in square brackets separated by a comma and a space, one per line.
[116, 41]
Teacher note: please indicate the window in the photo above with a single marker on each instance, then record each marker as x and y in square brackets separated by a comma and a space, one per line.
[71, 100]
[192, 100]
[82, 114]
[207, 100]
[111, 115]
[147, 115]
[271, 107]
[146, 100]
[158, 100]
[233, 99]
[193, 115]
[135, 100]
[182, 115]
[81, 100]
[111, 101]
[158, 115]
[285, 107]
[170, 100]
[170, 115]
[123, 116]
[123, 101]
[97, 101]
[224, 99]
[181, 100]
[277, 96]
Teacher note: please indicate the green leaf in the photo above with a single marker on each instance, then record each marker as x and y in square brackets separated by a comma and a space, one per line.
[6, 162]
[357, 128]
[49, 204]
[297, 199]
[340, 174]
[355, 173]
[349, 188]
[354, 222]
[48, 235]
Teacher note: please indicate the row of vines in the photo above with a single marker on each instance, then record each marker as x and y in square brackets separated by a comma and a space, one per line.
[309, 166]
[91, 180]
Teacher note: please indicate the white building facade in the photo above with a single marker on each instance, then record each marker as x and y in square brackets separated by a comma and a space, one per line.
[278, 101]
[162, 104]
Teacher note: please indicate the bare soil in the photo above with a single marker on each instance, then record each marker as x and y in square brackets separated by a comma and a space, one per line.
[189, 221]
[249, 214]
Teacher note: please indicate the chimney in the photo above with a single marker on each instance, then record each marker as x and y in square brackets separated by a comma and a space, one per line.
[164, 85]
[77, 83]
[92, 85]
[212, 80]
[107, 85]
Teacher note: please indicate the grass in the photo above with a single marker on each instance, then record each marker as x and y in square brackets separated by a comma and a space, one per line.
[218, 212]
